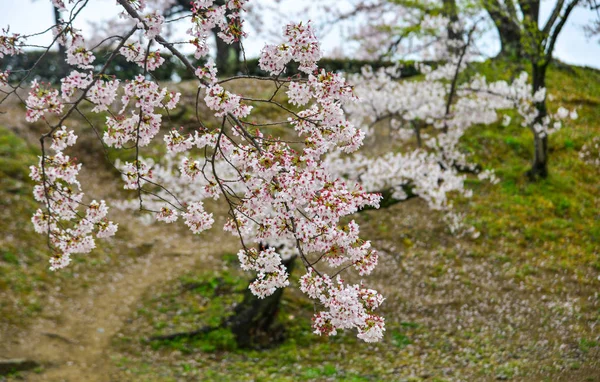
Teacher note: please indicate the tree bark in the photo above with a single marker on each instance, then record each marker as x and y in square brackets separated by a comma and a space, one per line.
[63, 67]
[510, 41]
[228, 56]
[253, 320]
[539, 167]
[511, 46]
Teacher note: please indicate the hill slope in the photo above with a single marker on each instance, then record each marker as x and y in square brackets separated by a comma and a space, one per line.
[519, 302]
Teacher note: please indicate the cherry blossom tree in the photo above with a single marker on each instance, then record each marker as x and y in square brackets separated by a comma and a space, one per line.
[429, 116]
[277, 191]
[387, 28]
[289, 196]
[535, 39]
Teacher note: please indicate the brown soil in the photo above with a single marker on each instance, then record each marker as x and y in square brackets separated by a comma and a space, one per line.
[72, 344]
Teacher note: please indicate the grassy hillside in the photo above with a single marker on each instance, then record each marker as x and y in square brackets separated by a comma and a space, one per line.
[19, 246]
[553, 221]
[26, 283]
[518, 303]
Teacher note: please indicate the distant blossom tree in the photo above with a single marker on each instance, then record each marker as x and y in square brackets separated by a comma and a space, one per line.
[387, 28]
[429, 116]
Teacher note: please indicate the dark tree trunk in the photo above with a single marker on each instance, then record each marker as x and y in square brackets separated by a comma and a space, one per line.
[511, 46]
[228, 56]
[510, 41]
[417, 128]
[253, 320]
[506, 19]
[539, 167]
[451, 13]
[63, 67]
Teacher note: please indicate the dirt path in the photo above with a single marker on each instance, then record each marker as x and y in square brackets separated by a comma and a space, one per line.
[71, 338]
[74, 345]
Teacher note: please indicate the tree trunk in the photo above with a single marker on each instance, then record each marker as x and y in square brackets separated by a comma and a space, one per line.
[511, 46]
[539, 167]
[63, 67]
[252, 323]
[510, 41]
[253, 318]
[450, 11]
[228, 56]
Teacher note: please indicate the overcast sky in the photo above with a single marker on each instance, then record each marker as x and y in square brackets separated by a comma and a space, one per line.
[29, 16]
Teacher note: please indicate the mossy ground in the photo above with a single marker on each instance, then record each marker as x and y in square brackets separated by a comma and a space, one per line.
[25, 279]
[518, 303]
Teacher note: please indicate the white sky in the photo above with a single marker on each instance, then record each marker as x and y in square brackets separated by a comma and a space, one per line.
[31, 16]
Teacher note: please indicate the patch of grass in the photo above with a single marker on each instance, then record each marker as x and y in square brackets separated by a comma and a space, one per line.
[194, 301]
[585, 345]
[213, 341]
[556, 217]
[25, 278]
[400, 339]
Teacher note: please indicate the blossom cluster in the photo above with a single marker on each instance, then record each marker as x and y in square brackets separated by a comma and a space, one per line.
[75, 80]
[279, 193]
[62, 138]
[78, 55]
[135, 53]
[144, 123]
[206, 16]
[271, 274]
[152, 23]
[136, 174]
[301, 46]
[42, 99]
[207, 73]
[197, 219]
[9, 44]
[348, 306]
[224, 102]
[103, 93]
[69, 231]
[520, 96]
